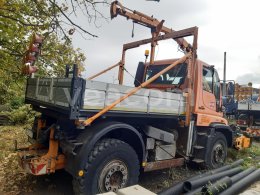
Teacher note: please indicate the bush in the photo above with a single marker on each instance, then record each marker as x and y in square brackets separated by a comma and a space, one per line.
[22, 115]
[17, 102]
[5, 108]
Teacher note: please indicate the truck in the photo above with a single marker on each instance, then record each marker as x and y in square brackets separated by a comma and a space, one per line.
[230, 105]
[106, 134]
[249, 115]
[229, 98]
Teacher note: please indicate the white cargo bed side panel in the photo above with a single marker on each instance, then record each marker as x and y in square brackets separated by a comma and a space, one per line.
[95, 95]
[94, 99]
[96, 85]
[182, 105]
[99, 94]
[255, 106]
[242, 106]
[165, 102]
[160, 105]
[136, 103]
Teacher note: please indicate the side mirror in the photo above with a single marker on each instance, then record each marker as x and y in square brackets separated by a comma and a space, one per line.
[139, 76]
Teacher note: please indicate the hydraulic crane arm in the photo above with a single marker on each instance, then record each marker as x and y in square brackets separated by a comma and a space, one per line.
[118, 9]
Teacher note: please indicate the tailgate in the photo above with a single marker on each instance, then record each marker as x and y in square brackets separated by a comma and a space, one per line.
[58, 94]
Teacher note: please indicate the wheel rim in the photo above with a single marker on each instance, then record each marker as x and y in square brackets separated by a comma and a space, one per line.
[219, 154]
[113, 176]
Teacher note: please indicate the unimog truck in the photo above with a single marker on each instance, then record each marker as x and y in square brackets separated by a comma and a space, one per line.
[105, 134]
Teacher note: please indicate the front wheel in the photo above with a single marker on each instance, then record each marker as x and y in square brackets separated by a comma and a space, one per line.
[112, 165]
[217, 151]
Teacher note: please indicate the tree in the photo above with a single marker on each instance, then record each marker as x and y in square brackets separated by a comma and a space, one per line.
[19, 19]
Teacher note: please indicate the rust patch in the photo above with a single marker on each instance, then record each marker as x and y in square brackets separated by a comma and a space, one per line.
[151, 166]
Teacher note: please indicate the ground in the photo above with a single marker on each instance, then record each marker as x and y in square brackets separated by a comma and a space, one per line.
[14, 181]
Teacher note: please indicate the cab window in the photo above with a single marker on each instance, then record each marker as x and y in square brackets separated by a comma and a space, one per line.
[216, 85]
[211, 84]
[175, 76]
[207, 80]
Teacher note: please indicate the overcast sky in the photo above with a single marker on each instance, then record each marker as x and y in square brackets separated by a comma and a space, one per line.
[224, 25]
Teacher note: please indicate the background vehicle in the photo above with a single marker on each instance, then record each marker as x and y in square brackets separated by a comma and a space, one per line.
[230, 105]
[249, 115]
[243, 121]
[229, 100]
[103, 134]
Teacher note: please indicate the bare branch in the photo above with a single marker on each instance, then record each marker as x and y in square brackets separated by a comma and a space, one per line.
[97, 2]
[73, 7]
[74, 24]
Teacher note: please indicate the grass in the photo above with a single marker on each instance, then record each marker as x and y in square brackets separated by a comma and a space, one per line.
[250, 155]
[13, 180]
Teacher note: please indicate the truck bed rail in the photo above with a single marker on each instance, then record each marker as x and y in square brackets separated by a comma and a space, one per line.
[78, 97]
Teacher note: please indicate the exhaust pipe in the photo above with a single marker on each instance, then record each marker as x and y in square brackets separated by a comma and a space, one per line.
[190, 185]
[243, 183]
[178, 188]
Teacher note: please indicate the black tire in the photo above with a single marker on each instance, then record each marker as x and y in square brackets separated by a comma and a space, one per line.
[217, 151]
[112, 164]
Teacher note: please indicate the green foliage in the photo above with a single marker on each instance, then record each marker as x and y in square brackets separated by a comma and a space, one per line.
[21, 115]
[5, 107]
[19, 19]
[16, 102]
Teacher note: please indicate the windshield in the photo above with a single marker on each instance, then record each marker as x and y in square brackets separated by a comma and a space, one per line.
[175, 76]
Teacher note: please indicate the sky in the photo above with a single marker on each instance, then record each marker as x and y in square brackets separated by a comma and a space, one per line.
[224, 25]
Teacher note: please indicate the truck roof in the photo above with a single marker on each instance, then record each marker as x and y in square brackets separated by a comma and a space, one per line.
[169, 61]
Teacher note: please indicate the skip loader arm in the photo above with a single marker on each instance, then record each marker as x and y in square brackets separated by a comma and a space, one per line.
[156, 27]
[118, 9]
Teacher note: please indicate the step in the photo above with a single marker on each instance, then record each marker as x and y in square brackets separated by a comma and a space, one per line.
[197, 160]
[198, 147]
[202, 134]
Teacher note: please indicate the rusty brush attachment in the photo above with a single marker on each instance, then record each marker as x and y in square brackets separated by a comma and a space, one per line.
[32, 54]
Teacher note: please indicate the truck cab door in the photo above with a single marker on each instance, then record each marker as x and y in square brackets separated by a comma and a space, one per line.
[208, 97]
[208, 108]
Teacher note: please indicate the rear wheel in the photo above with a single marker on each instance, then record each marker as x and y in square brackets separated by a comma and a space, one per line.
[217, 151]
[112, 165]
